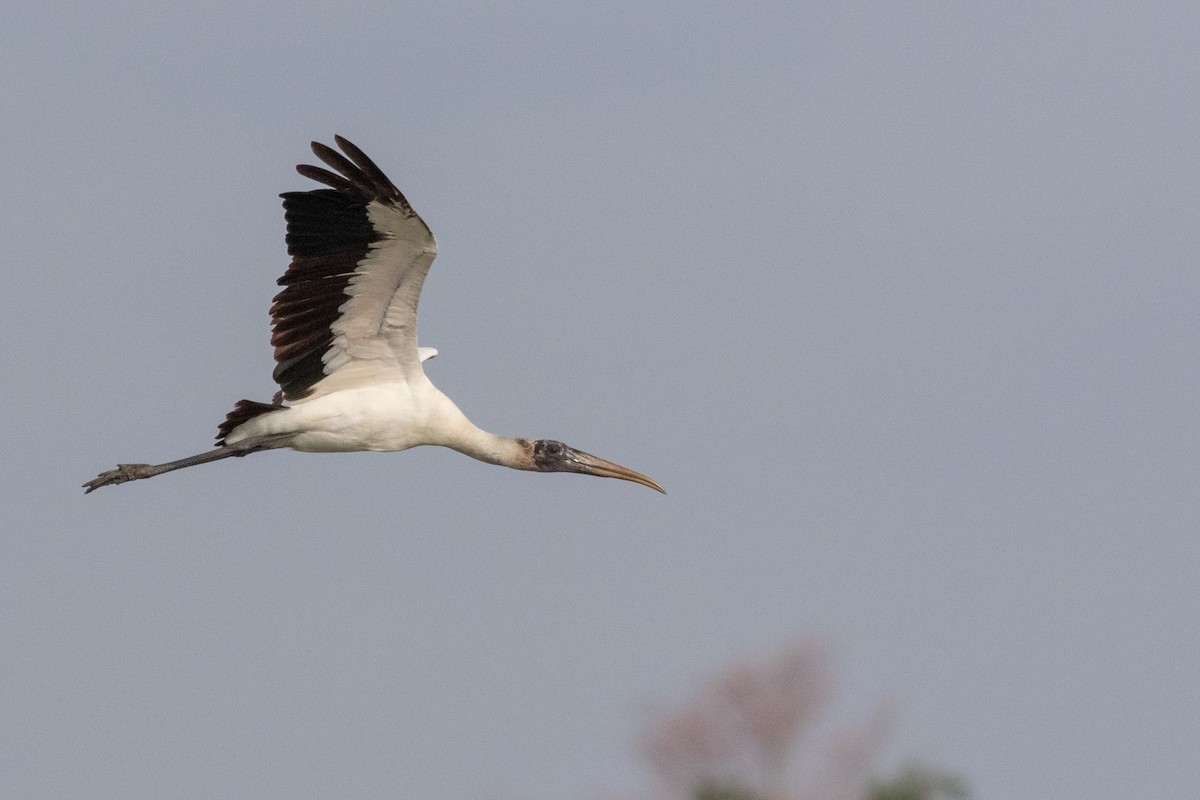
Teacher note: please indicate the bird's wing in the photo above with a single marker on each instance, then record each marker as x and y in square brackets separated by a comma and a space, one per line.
[348, 309]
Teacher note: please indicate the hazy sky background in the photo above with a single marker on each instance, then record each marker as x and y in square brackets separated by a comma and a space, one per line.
[898, 301]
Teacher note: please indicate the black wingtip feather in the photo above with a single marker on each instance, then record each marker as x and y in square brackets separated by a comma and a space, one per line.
[329, 179]
[364, 163]
[356, 173]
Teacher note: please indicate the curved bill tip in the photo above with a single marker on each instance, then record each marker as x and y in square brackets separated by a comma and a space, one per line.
[588, 464]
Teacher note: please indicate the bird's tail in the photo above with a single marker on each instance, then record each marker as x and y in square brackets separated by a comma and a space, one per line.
[243, 411]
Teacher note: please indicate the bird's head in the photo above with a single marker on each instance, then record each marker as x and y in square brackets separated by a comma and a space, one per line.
[551, 456]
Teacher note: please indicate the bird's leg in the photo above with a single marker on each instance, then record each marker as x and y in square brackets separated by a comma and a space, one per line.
[133, 472]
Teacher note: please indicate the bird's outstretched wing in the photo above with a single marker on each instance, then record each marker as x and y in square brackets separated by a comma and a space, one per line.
[359, 258]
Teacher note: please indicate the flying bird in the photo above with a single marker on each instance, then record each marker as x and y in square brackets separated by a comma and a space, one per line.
[344, 329]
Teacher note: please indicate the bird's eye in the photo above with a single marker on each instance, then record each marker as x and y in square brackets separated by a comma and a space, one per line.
[554, 448]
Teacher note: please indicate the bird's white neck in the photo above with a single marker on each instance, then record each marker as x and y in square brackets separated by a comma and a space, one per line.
[469, 439]
[494, 449]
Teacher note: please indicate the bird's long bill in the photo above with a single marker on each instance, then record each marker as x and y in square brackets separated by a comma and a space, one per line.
[589, 464]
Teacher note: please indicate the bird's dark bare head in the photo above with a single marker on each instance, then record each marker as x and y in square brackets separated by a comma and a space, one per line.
[552, 456]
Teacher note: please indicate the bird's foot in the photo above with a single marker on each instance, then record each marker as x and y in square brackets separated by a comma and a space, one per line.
[122, 474]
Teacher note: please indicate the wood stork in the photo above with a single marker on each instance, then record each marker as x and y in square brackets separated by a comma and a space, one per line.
[344, 329]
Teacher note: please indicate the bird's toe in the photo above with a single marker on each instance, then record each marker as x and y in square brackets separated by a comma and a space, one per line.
[122, 474]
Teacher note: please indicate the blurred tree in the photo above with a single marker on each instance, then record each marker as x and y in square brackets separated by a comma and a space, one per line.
[719, 792]
[920, 783]
[740, 736]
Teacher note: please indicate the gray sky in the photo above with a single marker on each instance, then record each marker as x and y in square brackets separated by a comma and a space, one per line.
[899, 303]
